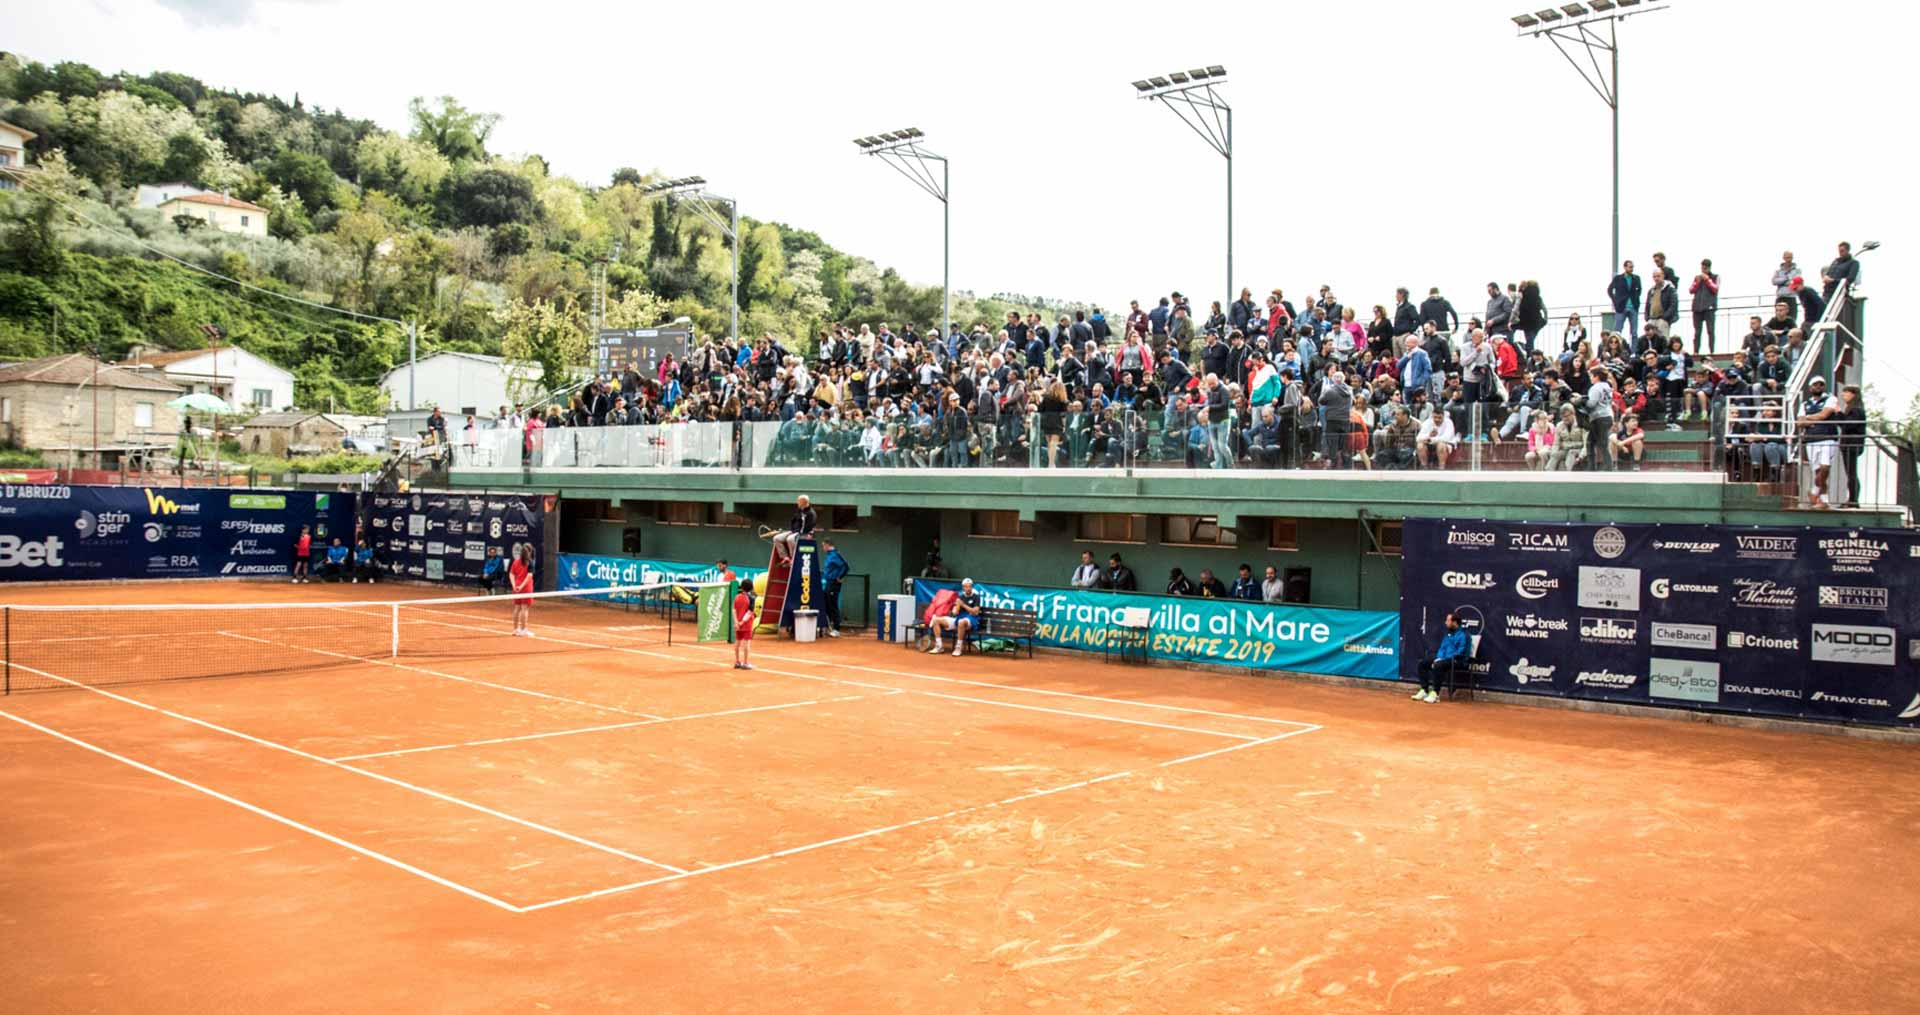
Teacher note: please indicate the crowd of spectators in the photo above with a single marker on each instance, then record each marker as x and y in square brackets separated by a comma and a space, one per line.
[1263, 383]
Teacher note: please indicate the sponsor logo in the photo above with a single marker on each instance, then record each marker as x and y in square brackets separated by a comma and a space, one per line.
[1451, 579]
[1913, 551]
[1365, 648]
[1610, 588]
[416, 546]
[253, 528]
[1847, 699]
[1609, 542]
[1853, 552]
[496, 505]
[1913, 710]
[1741, 639]
[475, 550]
[415, 570]
[322, 501]
[232, 567]
[1768, 547]
[154, 532]
[249, 548]
[1839, 643]
[1764, 692]
[1853, 597]
[1686, 546]
[1534, 627]
[1764, 594]
[1606, 678]
[474, 507]
[1525, 672]
[1609, 631]
[416, 502]
[436, 569]
[435, 548]
[518, 529]
[1700, 636]
[435, 523]
[266, 502]
[1664, 587]
[1470, 538]
[494, 527]
[379, 522]
[1684, 680]
[176, 562]
[102, 525]
[1470, 619]
[416, 525]
[162, 505]
[1536, 585]
[1539, 542]
[455, 527]
[17, 552]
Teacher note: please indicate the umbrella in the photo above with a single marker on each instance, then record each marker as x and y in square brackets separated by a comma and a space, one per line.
[200, 401]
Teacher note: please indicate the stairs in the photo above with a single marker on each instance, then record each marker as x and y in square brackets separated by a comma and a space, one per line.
[778, 575]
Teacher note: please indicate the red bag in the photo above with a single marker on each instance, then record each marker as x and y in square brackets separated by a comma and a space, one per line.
[942, 605]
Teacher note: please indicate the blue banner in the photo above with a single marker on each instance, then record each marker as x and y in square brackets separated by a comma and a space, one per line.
[446, 536]
[1229, 632]
[1806, 623]
[589, 571]
[54, 533]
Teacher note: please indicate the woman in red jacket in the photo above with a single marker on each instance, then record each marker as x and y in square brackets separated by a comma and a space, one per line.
[520, 575]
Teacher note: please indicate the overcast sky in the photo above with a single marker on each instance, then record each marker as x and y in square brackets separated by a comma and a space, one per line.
[1377, 142]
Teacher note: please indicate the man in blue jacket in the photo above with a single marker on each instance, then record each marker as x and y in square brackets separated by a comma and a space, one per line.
[833, 570]
[1624, 291]
[1453, 653]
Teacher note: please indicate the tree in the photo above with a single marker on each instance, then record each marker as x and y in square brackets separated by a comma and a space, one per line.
[627, 175]
[491, 197]
[305, 176]
[636, 308]
[457, 132]
[409, 170]
[552, 334]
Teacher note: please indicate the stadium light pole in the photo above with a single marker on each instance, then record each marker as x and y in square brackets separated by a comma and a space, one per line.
[901, 150]
[1578, 25]
[1208, 115]
[693, 190]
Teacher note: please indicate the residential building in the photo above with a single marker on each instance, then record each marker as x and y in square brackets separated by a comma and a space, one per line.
[237, 376]
[61, 402]
[462, 382]
[285, 434]
[13, 153]
[229, 214]
[153, 195]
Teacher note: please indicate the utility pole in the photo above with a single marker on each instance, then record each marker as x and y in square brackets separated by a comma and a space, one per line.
[413, 360]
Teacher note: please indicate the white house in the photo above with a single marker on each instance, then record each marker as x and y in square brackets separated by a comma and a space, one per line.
[234, 374]
[13, 153]
[229, 214]
[462, 382]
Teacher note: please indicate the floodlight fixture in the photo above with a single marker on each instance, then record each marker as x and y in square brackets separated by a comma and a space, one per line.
[1192, 97]
[1574, 10]
[1178, 77]
[692, 190]
[1143, 86]
[1525, 20]
[1215, 70]
[1548, 15]
[901, 149]
[1600, 6]
[1629, 3]
[1198, 74]
[1159, 82]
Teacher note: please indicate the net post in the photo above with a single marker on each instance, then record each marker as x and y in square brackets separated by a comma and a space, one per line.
[670, 612]
[6, 636]
[395, 653]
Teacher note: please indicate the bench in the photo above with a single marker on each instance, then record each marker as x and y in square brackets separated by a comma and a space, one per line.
[1454, 674]
[1012, 626]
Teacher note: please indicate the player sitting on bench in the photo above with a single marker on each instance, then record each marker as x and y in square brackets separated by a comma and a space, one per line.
[965, 616]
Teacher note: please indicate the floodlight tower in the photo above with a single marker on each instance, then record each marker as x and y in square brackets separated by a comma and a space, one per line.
[1209, 116]
[901, 150]
[692, 189]
[1579, 24]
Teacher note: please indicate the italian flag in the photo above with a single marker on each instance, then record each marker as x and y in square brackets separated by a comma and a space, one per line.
[1265, 383]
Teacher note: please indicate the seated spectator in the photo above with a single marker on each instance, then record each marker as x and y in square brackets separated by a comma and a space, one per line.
[1436, 440]
[1244, 587]
[1569, 442]
[1210, 587]
[493, 572]
[1087, 574]
[1178, 584]
[1540, 442]
[1629, 441]
[338, 561]
[364, 566]
[1393, 444]
[1118, 577]
[966, 614]
[1272, 589]
[1454, 652]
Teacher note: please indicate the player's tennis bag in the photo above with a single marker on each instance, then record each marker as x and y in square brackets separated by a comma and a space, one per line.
[942, 605]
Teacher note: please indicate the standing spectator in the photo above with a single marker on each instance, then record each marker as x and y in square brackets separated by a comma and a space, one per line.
[833, 571]
[723, 573]
[1843, 269]
[1706, 303]
[1178, 584]
[1180, 331]
[1663, 305]
[1452, 654]
[1138, 323]
[1243, 311]
[1822, 437]
[1813, 306]
[1216, 324]
[1118, 576]
[1337, 399]
[1244, 587]
[1087, 575]
[1416, 368]
[1624, 291]
[1406, 320]
[1272, 589]
[1851, 422]
[1499, 310]
[1435, 310]
[1530, 317]
[437, 427]
[1783, 277]
[1208, 586]
[1157, 319]
[1599, 419]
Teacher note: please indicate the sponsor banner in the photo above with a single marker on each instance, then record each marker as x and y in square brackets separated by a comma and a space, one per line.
[57, 532]
[444, 537]
[1232, 632]
[1816, 623]
[588, 571]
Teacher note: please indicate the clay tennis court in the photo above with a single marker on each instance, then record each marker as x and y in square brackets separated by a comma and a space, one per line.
[595, 820]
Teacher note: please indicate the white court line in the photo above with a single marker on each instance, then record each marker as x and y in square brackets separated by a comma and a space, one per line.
[602, 729]
[437, 673]
[390, 780]
[870, 833]
[856, 683]
[271, 816]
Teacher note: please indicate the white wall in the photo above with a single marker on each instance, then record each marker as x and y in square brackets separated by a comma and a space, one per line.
[457, 383]
[240, 374]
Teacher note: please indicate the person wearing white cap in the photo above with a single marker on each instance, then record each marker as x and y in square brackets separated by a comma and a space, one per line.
[966, 612]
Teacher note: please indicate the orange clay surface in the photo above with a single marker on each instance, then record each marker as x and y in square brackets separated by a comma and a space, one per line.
[854, 827]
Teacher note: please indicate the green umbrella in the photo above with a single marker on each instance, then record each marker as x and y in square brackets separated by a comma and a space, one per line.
[200, 401]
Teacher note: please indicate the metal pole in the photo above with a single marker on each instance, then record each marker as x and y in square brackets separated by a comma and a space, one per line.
[735, 325]
[7, 637]
[95, 385]
[946, 248]
[1615, 36]
[1230, 293]
[413, 360]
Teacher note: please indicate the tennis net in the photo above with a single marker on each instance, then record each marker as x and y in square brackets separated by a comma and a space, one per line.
[51, 647]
